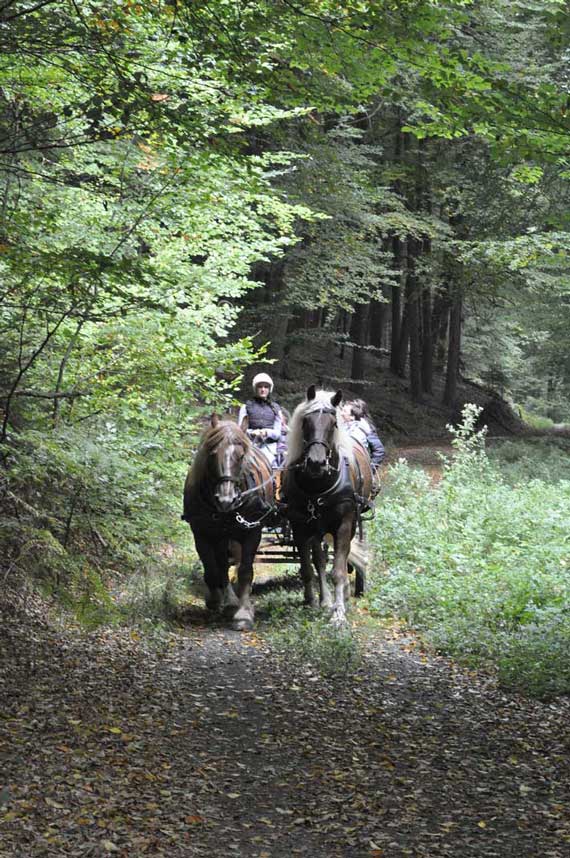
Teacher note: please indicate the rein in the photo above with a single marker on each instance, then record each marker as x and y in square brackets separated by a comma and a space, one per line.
[257, 488]
[236, 482]
[217, 515]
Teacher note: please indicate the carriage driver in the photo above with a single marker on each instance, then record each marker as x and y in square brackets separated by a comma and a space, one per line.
[260, 417]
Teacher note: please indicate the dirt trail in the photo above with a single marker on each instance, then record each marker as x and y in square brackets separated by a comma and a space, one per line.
[216, 745]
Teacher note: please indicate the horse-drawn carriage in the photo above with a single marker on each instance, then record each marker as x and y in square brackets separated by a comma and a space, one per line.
[277, 547]
[230, 497]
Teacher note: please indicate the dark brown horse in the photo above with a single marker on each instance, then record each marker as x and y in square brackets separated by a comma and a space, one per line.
[327, 481]
[228, 496]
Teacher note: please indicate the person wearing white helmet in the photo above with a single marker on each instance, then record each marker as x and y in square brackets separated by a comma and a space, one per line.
[260, 417]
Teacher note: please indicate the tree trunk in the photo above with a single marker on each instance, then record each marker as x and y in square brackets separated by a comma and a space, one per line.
[403, 343]
[423, 203]
[427, 342]
[343, 328]
[396, 320]
[378, 317]
[358, 331]
[454, 349]
[399, 343]
[439, 322]
[413, 313]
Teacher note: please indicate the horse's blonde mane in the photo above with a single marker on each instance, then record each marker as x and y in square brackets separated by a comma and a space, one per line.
[225, 431]
[295, 445]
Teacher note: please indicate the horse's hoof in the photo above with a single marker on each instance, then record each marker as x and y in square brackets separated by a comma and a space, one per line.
[242, 625]
[242, 620]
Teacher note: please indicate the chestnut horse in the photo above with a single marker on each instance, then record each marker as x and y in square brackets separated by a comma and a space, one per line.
[228, 495]
[326, 482]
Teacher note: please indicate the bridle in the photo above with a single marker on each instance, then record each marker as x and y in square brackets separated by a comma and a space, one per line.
[240, 495]
[236, 482]
[323, 408]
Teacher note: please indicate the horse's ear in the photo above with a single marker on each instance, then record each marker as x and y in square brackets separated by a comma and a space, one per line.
[214, 419]
[311, 392]
[337, 399]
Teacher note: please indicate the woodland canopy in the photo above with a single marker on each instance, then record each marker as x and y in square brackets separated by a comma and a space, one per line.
[184, 182]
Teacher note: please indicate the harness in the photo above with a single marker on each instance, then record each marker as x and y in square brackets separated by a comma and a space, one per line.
[207, 512]
[310, 507]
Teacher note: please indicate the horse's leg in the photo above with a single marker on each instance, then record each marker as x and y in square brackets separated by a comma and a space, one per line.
[320, 561]
[243, 617]
[234, 559]
[303, 544]
[342, 540]
[229, 600]
[209, 555]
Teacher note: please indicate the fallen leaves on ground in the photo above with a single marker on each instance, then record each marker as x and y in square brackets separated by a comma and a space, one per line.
[211, 744]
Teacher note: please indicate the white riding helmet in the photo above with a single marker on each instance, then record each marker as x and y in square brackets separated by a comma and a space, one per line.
[261, 378]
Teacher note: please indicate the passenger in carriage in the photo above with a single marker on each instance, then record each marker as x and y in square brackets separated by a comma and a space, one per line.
[360, 427]
[261, 417]
[282, 443]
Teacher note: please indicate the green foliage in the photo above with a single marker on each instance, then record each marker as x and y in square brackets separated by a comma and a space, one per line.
[479, 563]
[83, 509]
[309, 641]
[546, 459]
[156, 593]
[87, 596]
[152, 155]
[130, 218]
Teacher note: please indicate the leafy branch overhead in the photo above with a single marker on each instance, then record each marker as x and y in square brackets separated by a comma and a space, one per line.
[158, 161]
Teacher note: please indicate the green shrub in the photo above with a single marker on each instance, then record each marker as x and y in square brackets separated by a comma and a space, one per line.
[309, 640]
[534, 420]
[537, 658]
[82, 592]
[479, 563]
[157, 593]
[85, 508]
[546, 459]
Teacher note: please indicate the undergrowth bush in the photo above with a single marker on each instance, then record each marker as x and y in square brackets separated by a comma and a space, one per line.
[308, 640]
[546, 459]
[86, 595]
[534, 420]
[157, 593]
[85, 510]
[479, 563]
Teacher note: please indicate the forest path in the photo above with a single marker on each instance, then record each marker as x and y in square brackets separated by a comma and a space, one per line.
[214, 744]
[211, 743]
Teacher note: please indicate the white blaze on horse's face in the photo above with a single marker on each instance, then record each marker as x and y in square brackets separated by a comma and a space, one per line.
[229, 472]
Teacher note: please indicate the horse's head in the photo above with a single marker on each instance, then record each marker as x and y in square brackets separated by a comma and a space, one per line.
[319, 427]
[228, 447]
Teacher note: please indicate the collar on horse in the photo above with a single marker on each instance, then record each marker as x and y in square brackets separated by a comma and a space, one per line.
[310, 506]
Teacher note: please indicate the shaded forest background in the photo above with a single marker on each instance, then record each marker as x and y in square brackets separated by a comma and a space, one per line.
[373, 193]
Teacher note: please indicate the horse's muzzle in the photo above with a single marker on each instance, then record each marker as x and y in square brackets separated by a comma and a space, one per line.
[315, 466]
[227, 502]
